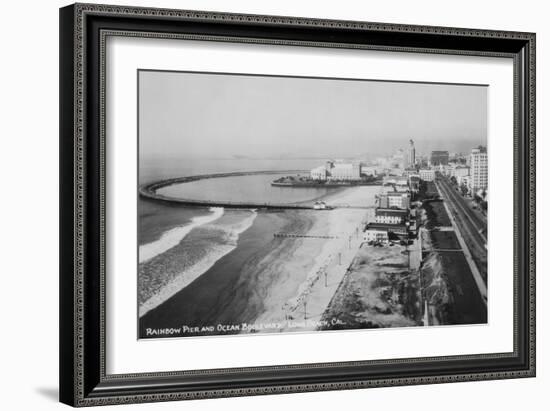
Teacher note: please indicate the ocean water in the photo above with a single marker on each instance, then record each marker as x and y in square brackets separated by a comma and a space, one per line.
[185, 253]
[235, 287]
[178, 244]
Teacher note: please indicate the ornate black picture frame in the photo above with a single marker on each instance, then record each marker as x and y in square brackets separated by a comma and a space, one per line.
[83, 30]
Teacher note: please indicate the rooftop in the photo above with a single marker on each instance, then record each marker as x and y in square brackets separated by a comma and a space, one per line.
[390, 211]
[386, 227]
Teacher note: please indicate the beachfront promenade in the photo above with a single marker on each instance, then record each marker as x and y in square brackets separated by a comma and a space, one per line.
[307, 309]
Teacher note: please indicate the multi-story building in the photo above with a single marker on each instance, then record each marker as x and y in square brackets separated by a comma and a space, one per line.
[345, 172]
[414, 183]
[444, 169]
[410, 171]
[460, 171]
[411, 154]
[382, 232]
[427, 174]
[439, 157]
[464, 181]
[478, 169]
[390, 215]
[380, 235]
[394, 199]
[318, 173]
[370, 170]
[337, 171]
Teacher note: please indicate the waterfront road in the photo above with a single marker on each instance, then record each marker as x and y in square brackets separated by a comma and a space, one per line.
[472, 227]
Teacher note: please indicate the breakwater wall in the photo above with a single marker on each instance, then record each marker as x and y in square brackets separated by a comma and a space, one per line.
[149, 191]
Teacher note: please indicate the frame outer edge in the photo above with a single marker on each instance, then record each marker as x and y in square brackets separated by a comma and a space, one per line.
[67, 221]
[531, 136]
[72, 138]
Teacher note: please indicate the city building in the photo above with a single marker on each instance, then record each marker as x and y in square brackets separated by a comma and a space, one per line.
[478, 169]
[444, 169]
[460, 171]
[427, 174]
[439, 157]
[337, 171]
[463, 181]
[400, 183]
[411, 154]
[390, 215]
[394, 200]
[410, 171]
[318, 173]
[380, 235]
[384, 232]
[414, 183]
[371, 171]
[345, 172]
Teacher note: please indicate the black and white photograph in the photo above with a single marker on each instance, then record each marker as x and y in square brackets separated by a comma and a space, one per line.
[281, 204]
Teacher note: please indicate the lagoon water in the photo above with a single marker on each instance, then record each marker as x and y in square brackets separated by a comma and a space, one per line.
[255, 188]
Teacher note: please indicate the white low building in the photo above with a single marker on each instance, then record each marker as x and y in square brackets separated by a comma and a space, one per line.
[460, 171]
[378, 235]
[319, 173]
[427, 174]
[369, 171]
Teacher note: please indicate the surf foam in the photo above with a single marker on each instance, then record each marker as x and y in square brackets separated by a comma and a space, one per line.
[172, 237]
[230, 234]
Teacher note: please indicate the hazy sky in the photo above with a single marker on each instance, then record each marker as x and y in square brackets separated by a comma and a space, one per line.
[208, 115]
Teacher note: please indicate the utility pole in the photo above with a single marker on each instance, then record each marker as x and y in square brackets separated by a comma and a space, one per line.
[305, 309]
[326, 283]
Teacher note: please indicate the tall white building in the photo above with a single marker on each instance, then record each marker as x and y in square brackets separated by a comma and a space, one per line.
[411, 154]
[478, 169]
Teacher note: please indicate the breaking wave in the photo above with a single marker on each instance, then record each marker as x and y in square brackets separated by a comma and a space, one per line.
[161, 289]
[172, 238]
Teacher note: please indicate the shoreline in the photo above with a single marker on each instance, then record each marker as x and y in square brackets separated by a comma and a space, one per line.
[322, 274]
[252, 283]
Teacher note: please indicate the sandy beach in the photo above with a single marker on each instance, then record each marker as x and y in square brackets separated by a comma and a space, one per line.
[280, 277]
[314, 268]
